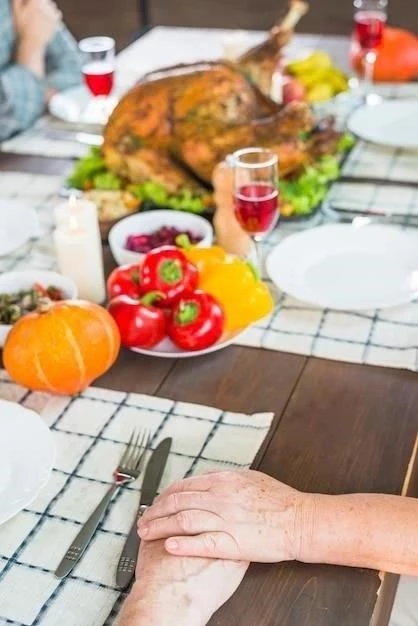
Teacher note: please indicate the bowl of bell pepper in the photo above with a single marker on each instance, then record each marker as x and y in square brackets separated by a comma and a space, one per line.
[178, 303]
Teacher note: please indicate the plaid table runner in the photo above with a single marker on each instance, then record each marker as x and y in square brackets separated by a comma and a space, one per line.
[90, 432]
[383, 337]
[38, 192]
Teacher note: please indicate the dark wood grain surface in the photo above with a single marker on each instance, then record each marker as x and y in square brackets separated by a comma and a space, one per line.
[338, 428]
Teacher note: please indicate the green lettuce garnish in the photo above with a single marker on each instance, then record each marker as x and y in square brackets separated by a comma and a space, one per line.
[107, 181]
[346, 142]
[86, 169]
[91, 172]
[184, 200]
[307, 191]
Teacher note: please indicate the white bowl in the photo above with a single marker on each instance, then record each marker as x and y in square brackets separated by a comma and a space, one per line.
[11, 282]
[149, 222]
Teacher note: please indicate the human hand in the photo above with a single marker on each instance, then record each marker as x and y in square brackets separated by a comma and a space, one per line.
[229, 233]
[181, 591]
[229, 515]
[36, 21]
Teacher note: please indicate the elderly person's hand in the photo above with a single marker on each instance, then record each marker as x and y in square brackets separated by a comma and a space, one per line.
[250, 516]
[232, 515]
[179, 591]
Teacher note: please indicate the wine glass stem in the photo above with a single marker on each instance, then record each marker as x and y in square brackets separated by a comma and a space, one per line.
[369, 65]
[258, 255]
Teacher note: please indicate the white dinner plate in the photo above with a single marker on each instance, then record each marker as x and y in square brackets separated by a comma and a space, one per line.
[345, 267]
[18, 224]
[166, 349]
[391, 123]
[27, 454]
[77, 106]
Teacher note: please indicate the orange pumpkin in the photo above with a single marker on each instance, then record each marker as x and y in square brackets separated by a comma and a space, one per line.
[62, 347]
[397, 60]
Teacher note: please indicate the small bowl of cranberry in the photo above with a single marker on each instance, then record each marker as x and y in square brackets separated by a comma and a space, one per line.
[137, 234]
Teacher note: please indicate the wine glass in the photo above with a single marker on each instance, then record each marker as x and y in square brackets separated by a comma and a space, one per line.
[98, 67]
[370, 19]
[256, 193]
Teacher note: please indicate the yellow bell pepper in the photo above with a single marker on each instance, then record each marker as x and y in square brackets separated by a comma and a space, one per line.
[205, 258]
[244, 298]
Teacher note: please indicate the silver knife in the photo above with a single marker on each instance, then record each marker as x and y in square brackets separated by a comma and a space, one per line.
[152, 478]
[365, 216]
[357, 210]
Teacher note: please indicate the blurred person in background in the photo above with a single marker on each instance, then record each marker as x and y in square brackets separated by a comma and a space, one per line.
[38, 57]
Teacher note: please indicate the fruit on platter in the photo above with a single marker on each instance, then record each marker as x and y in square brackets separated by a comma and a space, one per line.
[194, 297]
[397, 60]
[62, 347]
[319, 76]
[293, 90]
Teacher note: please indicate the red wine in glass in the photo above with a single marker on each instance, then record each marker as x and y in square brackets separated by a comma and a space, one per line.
[256, 208]
[369, 28]
[98, 76]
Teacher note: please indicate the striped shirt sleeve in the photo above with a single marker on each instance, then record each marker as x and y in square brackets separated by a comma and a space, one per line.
[22, 99]
[63, 62]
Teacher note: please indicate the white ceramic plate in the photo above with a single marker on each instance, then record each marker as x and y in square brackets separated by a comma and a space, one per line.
[18, 224]
[391, 123]
[27, 454]
[345, 267]
[166, 349]
[77, 106]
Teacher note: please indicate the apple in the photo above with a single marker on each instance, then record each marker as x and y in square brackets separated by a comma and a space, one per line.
[293, 90]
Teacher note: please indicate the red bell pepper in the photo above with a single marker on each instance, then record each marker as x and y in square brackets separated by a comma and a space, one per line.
[168, 271]
[124, 281]
[141, 324]
[197, 321]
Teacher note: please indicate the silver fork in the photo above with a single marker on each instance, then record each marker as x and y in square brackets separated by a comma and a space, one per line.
[128, 470]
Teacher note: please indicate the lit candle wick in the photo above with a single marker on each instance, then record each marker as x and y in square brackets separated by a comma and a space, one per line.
[72, 202]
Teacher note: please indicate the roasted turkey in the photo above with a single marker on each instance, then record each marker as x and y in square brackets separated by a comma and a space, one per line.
[176, 124]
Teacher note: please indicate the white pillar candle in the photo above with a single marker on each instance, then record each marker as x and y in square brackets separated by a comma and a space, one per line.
[78, 247]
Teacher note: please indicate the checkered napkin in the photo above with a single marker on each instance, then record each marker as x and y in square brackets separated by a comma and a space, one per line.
[90, 432]
[386, 338]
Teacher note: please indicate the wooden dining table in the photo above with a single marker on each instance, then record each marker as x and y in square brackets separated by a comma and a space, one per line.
[338, 428]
